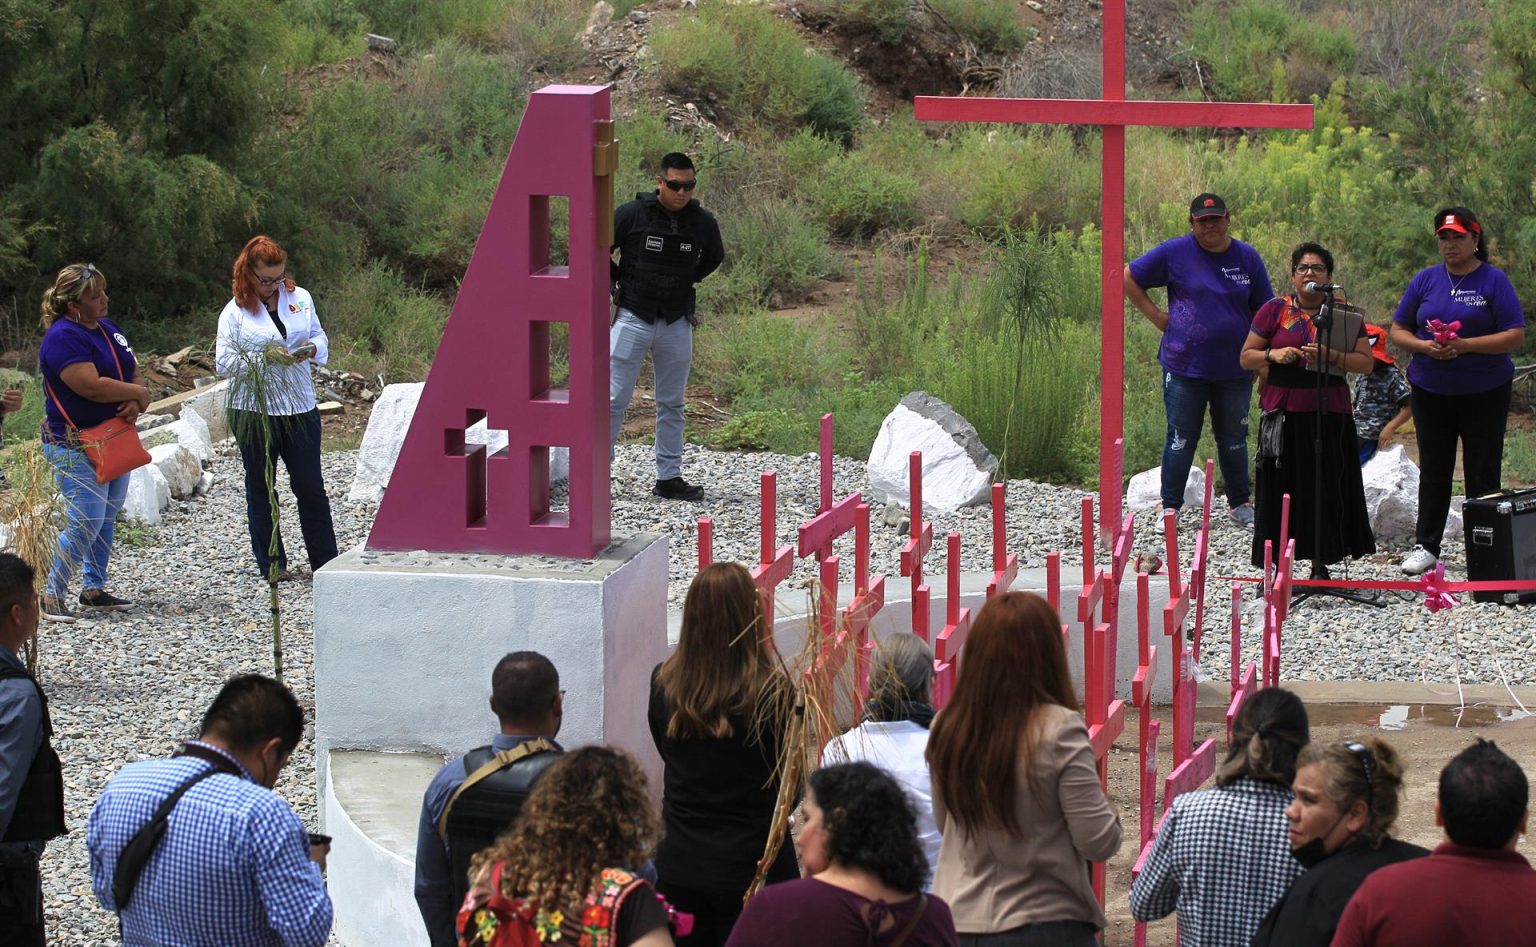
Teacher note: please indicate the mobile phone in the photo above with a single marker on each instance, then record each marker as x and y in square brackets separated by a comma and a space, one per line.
[306, 350]
[316, 838]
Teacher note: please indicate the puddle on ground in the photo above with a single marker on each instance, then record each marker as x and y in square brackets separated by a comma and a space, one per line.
[1397, 716]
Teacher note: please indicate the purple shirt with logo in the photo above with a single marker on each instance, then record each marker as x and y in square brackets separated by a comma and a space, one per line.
[1484, 302]
[1212, 299]
[66, 343]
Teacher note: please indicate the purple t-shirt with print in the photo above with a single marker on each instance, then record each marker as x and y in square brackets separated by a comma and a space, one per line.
[1212, 299]
[1484, 302]
[66, 343]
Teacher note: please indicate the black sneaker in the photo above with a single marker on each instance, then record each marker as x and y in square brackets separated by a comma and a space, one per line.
[678, 489]
[54, 609]
[104, 600]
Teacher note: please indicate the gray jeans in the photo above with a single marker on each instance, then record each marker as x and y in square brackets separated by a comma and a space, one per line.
[671, 351]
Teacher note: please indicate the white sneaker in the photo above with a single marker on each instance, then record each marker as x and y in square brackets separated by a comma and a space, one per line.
[1419, 561]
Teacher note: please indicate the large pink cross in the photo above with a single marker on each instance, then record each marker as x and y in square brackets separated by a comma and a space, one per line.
[1113, 113]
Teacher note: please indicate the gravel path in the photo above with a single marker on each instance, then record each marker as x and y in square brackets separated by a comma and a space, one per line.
[129, 686]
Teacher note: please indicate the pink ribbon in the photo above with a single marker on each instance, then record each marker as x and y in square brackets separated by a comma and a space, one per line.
[1435, 597]
[1443, 332]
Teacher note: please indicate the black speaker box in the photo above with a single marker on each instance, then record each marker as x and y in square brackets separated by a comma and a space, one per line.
[1501, 542]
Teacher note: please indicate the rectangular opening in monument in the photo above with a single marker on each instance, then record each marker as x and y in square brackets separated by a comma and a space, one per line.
[461, 443]
[549, 503]
[549, 229]
[549, 361]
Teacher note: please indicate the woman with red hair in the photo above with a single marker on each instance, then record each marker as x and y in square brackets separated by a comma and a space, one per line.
[268, 336]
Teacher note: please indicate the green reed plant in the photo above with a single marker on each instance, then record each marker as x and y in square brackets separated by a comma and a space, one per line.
[31, 509]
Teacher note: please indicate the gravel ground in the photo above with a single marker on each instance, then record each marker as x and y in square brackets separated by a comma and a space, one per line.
[129, 686]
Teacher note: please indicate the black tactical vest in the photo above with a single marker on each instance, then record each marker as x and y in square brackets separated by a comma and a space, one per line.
[660, 275]
[39, 814]
[478, 815]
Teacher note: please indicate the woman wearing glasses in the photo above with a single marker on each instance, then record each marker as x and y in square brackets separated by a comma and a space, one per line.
[1340, 820]
[1460, 320]
[89, 376]
[1283, 341]
[268, 335]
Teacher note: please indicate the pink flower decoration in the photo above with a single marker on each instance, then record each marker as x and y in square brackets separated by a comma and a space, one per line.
[1444, 332]
[1436, 598]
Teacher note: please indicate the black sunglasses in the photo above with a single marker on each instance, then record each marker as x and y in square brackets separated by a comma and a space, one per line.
[1363, 754]
[681, 185]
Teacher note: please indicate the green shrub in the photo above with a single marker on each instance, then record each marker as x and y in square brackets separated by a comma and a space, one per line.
[993, 25]
[1012, 177]
[381, 326]
[759, 70]
[644, 139]
[420, 24]
[774, 251]
[889, 19]
[541, 34]
[1262, 49]
[859, 197]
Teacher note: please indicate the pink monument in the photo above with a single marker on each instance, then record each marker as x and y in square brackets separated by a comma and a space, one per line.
[494, 363]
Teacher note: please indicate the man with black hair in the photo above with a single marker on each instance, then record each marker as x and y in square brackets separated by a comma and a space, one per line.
[474, 799]
[235, 867]
[1472, 889]
[31, 780]
[667, 242]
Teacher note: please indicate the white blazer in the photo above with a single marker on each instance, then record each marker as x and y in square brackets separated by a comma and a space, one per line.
[245, 334]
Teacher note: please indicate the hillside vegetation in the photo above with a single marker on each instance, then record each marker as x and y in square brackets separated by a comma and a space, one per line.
[152, 138]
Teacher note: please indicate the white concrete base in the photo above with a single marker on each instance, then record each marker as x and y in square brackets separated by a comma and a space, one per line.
[404, 647]
[372, 803]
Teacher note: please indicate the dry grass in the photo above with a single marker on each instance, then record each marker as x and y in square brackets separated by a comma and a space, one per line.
[31, 510]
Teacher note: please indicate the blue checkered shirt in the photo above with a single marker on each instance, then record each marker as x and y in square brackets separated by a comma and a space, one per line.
[233, 869]
[1222, 858]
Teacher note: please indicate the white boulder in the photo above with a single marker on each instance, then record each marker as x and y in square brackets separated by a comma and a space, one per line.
[1145, 491]
[1391, 493]
[189, 430]
[388, 424]
[180, 466]
[957, 468]
[148, 494]
[204, 483]
[211, 405]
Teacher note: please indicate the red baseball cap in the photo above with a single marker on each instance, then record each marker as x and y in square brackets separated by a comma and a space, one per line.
[1378, 339]
[1458, 219]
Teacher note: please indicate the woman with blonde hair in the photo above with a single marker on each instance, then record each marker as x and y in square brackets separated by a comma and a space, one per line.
[1016, 792]
[1222, 856]
[269, 336]
[566, 870]
[894, 732]
[90, 376]
[709, 716]
[1346, 801]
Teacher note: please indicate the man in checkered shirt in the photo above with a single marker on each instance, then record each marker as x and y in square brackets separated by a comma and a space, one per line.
[235, 867]
[1222, 856]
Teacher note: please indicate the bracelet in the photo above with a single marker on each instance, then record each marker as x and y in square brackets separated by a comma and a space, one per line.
[1268, 360]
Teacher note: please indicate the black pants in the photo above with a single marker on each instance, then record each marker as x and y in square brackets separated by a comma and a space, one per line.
[1477, 421]
[714, 913]
[21, 905]
[295, 439]
[1044, 934]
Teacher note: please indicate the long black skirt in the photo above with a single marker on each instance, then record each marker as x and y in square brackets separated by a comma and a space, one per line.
[1346, 525]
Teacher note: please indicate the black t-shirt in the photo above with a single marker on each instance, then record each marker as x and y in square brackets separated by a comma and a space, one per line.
[1311, 908]
[717, 805]
[640, 914]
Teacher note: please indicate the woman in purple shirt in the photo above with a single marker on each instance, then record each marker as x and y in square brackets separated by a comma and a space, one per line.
[1460, 321]
[89, 376]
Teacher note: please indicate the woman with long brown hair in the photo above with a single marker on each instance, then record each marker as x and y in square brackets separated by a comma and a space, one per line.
[1015, 789]
[269, 334]
[566, 869]
[709, 715]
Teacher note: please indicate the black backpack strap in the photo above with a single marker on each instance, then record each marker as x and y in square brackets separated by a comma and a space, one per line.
[135, 855]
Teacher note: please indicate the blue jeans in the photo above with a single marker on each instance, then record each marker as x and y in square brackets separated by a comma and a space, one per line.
[89, 520]
[1185, 400]
[295, 439]
[671, 350]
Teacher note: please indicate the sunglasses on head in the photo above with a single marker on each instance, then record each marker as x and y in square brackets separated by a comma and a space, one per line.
[688, 185]
[1363, 754]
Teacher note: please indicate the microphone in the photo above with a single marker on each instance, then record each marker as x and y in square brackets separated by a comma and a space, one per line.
[1312, 287]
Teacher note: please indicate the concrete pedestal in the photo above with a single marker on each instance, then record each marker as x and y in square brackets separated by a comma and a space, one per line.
[404, 647]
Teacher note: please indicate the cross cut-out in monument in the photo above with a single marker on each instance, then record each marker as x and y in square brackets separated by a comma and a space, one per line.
[473, 443]
[1112, 113]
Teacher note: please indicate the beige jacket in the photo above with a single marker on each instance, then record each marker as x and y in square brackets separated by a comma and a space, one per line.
[994, 882]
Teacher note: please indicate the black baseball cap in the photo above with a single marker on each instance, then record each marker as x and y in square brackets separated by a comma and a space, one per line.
[1207, 205]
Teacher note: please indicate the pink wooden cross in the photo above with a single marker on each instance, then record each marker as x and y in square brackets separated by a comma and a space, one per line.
[1113, 113]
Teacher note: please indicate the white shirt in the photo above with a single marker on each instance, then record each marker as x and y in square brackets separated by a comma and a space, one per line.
[898, 747]
[240, 354]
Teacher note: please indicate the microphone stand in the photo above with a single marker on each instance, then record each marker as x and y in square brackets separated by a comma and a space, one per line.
[1322, 324]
